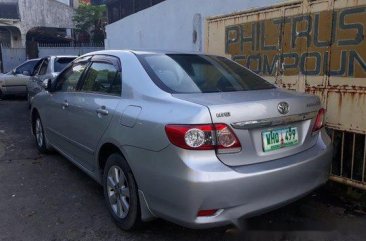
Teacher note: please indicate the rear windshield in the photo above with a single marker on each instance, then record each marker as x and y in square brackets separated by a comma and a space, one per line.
[61, 63]
[189, 73]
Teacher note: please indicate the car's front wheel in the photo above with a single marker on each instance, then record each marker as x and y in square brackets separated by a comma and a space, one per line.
[120, 192]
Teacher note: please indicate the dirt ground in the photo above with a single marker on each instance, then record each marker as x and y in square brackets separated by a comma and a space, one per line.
[45, 197]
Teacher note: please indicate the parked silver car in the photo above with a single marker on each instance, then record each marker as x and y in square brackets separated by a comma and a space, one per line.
[15, 82]
[195, 139]
[48, 68]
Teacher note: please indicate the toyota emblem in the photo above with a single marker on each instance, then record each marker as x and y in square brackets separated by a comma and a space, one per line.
[283, 108]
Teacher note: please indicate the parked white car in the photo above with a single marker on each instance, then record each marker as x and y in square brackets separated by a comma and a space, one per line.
[47, 68]
[15, 82]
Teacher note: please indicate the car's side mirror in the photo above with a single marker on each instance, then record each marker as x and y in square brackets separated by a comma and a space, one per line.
[26, 73]
[47, 84]
[14, 72]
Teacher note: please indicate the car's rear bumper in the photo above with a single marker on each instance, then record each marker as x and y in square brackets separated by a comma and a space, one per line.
[177, 192]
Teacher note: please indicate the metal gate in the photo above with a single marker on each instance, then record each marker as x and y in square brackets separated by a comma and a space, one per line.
[68, 49]
[11, 57]
[317, 46]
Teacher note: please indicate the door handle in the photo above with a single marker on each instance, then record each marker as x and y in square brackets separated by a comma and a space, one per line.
[65, 105]
[102, 111]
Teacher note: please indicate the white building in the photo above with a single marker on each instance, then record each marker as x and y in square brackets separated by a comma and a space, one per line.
[169, 24]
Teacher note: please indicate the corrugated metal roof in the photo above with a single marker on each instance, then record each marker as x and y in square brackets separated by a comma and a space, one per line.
[9, 11]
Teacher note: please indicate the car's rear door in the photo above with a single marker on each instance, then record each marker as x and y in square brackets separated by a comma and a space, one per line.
[90, 111]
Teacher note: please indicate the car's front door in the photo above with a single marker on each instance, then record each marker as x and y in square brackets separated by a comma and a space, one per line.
[59, 122]
[91, 110]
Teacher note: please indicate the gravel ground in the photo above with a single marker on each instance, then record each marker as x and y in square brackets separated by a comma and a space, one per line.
[45, 197]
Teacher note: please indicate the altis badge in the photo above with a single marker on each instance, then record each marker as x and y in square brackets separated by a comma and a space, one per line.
[313, 104]
[223, 114]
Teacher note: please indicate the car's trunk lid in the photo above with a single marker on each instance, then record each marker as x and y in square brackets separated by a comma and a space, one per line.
[253, 115]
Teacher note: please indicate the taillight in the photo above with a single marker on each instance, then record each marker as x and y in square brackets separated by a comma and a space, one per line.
[226, 139]
[206, 213]
[192, 137]
[218, 137]
[319, 121]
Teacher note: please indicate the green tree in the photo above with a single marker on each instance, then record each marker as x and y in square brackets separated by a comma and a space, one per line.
[91, 19]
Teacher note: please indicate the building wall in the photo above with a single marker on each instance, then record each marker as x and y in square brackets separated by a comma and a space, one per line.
[172, 24]
[45, 13]
[37, 13]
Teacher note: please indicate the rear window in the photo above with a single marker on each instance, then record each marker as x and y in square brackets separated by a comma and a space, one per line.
[61, 63]
[189, 73]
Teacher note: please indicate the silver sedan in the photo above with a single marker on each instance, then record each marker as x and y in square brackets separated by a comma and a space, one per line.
[195, 139]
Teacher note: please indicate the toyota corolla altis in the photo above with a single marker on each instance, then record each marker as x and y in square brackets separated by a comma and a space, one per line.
[195, 139]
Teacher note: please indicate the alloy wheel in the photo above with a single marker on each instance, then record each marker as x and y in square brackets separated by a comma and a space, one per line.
[39, 133]
[118, 191]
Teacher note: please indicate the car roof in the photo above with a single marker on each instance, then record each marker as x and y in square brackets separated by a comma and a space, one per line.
[61, 56]
[141, 52]
[31, 60]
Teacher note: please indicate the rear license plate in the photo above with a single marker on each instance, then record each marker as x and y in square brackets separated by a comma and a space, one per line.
[279, 138]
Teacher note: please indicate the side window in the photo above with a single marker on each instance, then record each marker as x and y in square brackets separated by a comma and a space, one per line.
[61, 63]
[43, 68]
[37, 67]
[28, 66]
[68, 80]
[116, 88]
[102, 78]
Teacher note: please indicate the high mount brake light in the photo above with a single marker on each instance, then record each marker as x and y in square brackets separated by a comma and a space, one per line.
[218, 137]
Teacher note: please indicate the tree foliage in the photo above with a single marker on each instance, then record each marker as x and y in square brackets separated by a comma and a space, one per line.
[91, 19]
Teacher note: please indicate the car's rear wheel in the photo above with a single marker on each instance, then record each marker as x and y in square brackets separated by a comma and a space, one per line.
[120, 192]
[39, 135]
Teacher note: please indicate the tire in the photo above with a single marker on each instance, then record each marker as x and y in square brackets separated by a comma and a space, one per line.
[28, 101]
[39, 135]
[123, 204]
